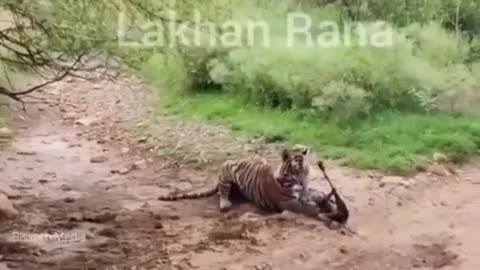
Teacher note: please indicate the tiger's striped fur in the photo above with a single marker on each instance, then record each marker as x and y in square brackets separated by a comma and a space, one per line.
[297, 163]
[258, 183]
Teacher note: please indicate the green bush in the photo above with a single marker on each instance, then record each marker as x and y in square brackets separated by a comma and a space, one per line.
[427, 68]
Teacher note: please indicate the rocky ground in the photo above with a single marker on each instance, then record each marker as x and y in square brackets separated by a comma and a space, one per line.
[80, 179]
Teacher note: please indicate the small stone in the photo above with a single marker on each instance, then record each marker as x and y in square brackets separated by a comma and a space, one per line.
[125, 150]
[73, 145]
[100, 217]
[124, 171]
[108, 232]
[4, 267]
[69, 200]
[43, 181]
[8, 191]
[87, 121]
[26, 153]
[6, 133]
[394, 180]
[6, 207]
[438, 170]
[98, 159]
[439, 157]
[75, 217]
[343, 250]
[70, 116]
[139, 165]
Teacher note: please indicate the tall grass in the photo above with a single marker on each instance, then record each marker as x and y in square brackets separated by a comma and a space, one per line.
[379, 107]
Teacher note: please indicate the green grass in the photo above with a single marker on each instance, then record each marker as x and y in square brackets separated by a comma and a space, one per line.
[392, 142]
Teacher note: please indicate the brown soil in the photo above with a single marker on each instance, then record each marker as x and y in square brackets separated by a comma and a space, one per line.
[90, 159]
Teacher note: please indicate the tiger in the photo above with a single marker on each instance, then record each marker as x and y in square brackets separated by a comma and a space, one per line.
[265, 188]
[300, 165]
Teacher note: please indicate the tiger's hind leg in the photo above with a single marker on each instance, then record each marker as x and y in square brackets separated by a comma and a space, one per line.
[224, 189]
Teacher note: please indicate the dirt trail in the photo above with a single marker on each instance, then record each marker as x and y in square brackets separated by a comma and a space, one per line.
[87, 200]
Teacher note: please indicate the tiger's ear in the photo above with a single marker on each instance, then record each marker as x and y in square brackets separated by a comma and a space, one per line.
[285, 154]
[302, 149]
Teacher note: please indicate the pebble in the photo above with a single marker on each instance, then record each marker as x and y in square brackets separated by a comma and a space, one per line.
[86, 121]
[8, 191]
[6, 133]
[26, 153]
[4, 267]
[6, 207]
[98, 159]
[108, 232]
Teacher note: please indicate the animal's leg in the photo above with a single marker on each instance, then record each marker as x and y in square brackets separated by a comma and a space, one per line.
[298, 207]
[224, 188]
[321, 200]
[340, 215]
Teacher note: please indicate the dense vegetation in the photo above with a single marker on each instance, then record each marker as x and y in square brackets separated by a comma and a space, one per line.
[389, 108]
[375, 107]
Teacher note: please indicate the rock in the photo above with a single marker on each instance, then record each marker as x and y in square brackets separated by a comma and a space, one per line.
[4, 267]
[87, 121]
[439, 157]
[439, 170]
[42, 181]
[98, 159]
[74, 217]
[6, 207]
[139, 165]
[125, 150]
[6, 133]
[108, 232]
[124, 171]
[8, 191]
[70, 116]
[73, 145]
[103, 217]
[250, 216]
[65, 188]
[396, 180]
[142, 140]
[69, 200]
[26, 153]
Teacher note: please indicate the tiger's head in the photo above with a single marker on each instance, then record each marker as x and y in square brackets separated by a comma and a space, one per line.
[291, 185]
[295, 162]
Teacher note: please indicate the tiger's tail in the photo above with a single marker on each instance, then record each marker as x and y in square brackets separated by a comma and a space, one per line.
[189, 195]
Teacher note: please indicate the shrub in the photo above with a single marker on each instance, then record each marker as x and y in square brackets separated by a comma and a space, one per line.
[424, 70]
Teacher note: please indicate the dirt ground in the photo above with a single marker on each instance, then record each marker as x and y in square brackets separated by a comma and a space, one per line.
[90, 159]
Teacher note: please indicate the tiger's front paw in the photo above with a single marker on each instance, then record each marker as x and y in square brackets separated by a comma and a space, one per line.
[334, 225]
[224, 205]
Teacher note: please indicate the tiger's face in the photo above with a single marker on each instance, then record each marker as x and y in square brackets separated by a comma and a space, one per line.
[292, 185]
[295, 161]
[294, 170]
